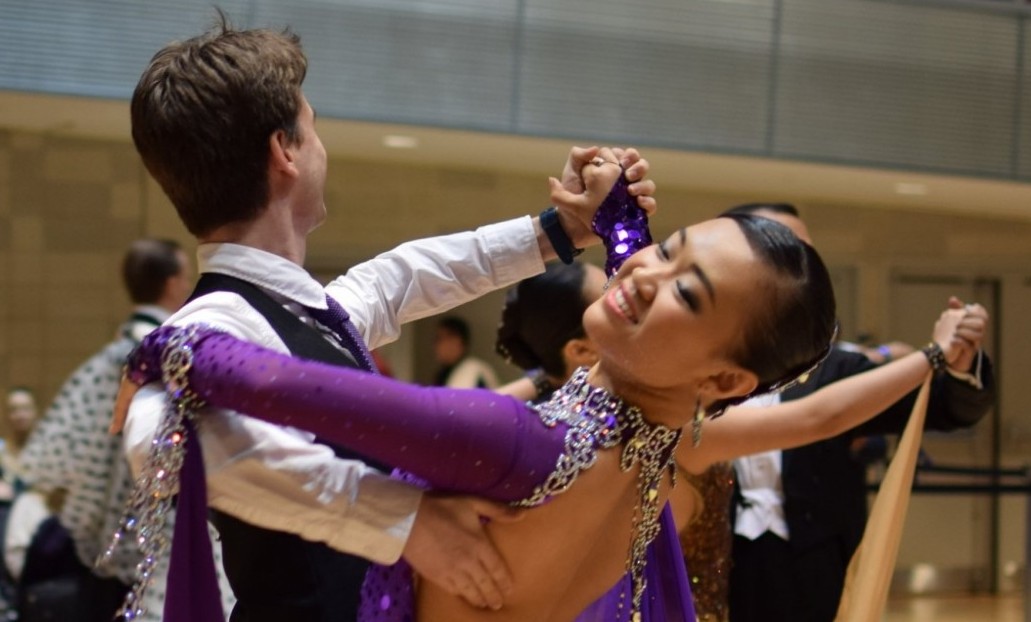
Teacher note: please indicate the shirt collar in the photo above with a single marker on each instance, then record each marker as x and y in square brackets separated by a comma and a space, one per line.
[266, 270]
[154, 311]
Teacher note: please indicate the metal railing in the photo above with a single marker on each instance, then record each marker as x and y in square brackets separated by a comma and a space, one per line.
[983, 481]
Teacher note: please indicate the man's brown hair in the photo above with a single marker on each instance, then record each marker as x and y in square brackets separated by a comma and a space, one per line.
[203, 113]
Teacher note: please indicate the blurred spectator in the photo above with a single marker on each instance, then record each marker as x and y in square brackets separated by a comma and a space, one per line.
[459, 369]
[21, 412]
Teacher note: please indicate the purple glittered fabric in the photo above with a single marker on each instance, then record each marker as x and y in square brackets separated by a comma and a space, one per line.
[192, 588]
[336, 319]
[667, 596]
[469, 440]
[388, 594]
[622, 226]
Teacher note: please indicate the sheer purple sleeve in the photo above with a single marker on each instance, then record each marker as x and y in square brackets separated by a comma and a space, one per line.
[470, 441]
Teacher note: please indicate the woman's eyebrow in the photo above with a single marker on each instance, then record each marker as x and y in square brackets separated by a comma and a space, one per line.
[704, 278]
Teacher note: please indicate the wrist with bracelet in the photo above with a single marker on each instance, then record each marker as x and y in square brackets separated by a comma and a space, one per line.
[558, 237]
[935, 356]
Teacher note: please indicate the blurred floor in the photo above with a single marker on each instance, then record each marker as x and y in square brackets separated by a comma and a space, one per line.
[959, 608]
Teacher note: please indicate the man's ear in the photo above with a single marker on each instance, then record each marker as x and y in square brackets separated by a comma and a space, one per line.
[281, 154]
[730, 381]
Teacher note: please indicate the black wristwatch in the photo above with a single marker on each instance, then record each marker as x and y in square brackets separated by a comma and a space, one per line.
[559, 238]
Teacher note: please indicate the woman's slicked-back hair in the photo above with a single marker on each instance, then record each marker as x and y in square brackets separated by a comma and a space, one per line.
[203, 113]
[540, 315]
[795, 329]
[753, 208]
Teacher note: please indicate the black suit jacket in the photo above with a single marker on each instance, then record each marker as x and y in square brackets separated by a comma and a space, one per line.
[825, 486]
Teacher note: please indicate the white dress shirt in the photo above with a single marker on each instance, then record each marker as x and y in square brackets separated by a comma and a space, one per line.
[276, 477]
[760, 475]
[762, 489]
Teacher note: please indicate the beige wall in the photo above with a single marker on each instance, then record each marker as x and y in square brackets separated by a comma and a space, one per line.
[68, 209]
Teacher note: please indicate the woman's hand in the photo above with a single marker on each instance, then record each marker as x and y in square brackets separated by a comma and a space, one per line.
[588, 176]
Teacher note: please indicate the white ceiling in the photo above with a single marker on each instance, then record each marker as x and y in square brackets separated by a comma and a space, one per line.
[737, 175]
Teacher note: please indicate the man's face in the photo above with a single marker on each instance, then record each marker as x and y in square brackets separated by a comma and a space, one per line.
[311, 159]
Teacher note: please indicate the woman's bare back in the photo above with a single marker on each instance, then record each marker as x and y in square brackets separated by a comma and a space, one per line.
[563, 555]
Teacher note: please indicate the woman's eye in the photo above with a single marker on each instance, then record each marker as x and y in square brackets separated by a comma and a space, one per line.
[688, 296]
[662, 251]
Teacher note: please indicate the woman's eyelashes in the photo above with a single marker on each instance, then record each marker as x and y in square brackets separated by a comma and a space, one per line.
[682, 290]
[688, 296]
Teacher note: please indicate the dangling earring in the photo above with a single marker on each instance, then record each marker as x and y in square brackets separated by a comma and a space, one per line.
[696, 425]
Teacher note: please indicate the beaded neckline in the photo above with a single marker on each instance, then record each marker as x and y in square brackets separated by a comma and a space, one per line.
[599, 420]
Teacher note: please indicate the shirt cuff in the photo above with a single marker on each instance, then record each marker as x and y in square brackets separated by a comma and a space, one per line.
[973, 377]
[513, 249]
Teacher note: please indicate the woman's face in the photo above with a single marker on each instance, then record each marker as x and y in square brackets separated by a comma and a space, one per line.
[676, 311]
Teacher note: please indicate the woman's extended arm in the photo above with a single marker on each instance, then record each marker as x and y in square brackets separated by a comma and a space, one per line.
[825, 413]
[471, 441]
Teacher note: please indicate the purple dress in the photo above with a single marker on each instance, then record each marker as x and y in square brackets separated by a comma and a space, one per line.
[464, 441]
[495, 446]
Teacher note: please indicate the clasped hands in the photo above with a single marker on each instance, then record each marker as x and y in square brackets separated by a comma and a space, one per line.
[960, 331]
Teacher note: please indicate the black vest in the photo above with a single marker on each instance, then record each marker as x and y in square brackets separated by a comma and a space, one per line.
[278, 576]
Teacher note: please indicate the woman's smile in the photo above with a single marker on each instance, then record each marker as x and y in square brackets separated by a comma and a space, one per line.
[622, 303]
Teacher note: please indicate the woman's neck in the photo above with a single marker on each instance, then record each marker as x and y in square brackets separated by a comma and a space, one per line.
[671, 408]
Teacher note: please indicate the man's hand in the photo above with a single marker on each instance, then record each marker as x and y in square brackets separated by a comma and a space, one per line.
[968, 334]
[584, 186]
[449, 547]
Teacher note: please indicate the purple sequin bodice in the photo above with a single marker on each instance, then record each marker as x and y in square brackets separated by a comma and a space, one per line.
[622, 226]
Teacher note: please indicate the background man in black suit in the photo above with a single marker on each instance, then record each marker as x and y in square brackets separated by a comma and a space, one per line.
[801, 513]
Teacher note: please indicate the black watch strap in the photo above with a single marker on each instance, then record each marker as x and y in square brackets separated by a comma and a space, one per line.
[557, 235]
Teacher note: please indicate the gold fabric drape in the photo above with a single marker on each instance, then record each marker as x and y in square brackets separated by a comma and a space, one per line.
[870, 571]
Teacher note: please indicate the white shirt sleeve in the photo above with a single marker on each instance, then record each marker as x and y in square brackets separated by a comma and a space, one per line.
[425, 277]
[276, 477]
[973, 378]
